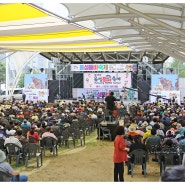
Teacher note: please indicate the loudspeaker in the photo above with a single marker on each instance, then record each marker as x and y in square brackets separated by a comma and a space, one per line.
[134, 80]
[53, 74]
[78, 80]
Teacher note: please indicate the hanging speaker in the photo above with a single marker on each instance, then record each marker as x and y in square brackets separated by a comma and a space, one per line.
[53, 74]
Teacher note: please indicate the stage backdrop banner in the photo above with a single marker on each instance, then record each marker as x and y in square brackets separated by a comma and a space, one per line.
[164, 82]
[102, 93]
[35, 81]
[36, 87]
[36, 94]
[107, 80]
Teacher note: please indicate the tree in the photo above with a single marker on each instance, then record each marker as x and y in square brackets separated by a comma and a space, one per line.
[2, 72]
[21, 78]
[180, 67]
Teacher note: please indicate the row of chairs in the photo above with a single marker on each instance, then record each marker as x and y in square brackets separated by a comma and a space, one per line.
[166, 158]
[77, 131]
[31, 150]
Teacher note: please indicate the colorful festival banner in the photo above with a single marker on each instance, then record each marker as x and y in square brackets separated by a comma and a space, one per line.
[103, 67]
[107, 80]
[164, 82]
[36, 94]
[35, 81]
[100, 94]
[36, 87]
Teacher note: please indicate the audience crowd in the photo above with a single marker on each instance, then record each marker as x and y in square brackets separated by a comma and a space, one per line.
[153, 122]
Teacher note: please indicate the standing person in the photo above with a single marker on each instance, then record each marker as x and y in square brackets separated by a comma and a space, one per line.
[91, 96]
[23, 97]
[10, 174]
[110, 101]
[120, 154]
[83, 96]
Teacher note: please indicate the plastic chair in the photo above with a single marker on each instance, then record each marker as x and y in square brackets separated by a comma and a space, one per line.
[71, 134]
[65, 138]
[169, 159]
[106, 133]
[51, 144]
[25, 131]
[153, 150]
[138, 157]
[80, 135]
[32, 150]
[2, 147]
[31, 139]
[13, 151]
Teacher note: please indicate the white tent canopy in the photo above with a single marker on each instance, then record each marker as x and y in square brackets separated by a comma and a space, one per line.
[94, 27]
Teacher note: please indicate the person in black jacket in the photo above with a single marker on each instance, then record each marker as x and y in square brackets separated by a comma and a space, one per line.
[137, 144]
[110, 103]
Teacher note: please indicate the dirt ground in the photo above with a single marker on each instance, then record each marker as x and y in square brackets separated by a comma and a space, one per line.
[89, 163]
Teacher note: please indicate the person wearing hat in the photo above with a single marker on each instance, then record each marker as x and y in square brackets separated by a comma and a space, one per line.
[133, 123]
[32, 135]
[12, 139]
[131, 132]
[12, 176]
[170, 135]
[147, 133]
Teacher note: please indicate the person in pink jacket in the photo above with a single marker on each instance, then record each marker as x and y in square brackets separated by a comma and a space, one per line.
[120, 154]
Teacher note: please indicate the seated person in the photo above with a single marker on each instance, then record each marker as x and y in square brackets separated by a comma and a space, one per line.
[21, 138]
[13, 139]
[153, 140]
[147, 133]
[137, 144]
[174, 174]
[167, 148]
[49, 133]
[12, 176]
[170, 135]
[34, 135]
[2, 133]
[131, 132]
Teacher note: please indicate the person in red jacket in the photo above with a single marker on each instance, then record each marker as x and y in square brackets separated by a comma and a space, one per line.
[120, 154]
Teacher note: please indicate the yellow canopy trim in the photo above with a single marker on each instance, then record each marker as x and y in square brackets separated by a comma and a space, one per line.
[98, 49]
[53, 35]
[18, 11]
[87, 44]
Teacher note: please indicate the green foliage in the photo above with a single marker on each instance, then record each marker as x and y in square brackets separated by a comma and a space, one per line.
[180, 67]
[21, 78]
[2, 72]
